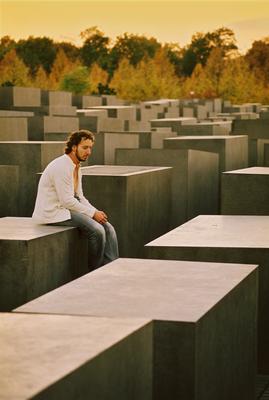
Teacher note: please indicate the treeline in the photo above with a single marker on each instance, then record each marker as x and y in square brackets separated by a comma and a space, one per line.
[137, 68]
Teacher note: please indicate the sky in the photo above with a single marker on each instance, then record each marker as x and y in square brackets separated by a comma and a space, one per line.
[168, 21]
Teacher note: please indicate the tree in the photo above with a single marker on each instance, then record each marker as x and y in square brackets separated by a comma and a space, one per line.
[71, 51]
[36, 52]
[202, 44]
[61, 66]
[98, 78]
[76, 81]
[13, 72]
[258, 59]
[199, 84]
[95, 47]
[6, 44]
[41, 79]
[150, 79]
[238, 83]
[133, 48]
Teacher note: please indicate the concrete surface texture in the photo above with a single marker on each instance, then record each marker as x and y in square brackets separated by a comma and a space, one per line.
[36, 259]
[9, 189]
[70, 357]
[232, 150]
[174, 123]
[192, 304]
[245, 191]
[13, 128]
[223, 238]
[20, 97]
[38, 126]
[135, 214]
[195, 178]
[31, 157]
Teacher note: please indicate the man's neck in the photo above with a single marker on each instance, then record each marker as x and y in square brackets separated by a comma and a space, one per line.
[74, 159]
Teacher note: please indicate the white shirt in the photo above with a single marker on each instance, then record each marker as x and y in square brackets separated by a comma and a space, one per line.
[55, 196]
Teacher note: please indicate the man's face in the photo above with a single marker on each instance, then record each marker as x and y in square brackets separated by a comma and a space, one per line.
[83, 149]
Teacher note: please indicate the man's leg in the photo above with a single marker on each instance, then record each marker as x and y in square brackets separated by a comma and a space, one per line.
[111, 251]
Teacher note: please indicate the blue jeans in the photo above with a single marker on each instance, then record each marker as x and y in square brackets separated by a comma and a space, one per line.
[102, 238]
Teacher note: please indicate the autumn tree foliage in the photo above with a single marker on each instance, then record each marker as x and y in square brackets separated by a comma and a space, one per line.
[150, 79]
[13, 71]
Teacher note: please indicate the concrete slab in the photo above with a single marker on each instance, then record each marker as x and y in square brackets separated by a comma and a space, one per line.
[131, 196]
[199, 310]
[36, 259]
[19, 97]
[13, 128]
[245, 191]
[173, 123]
[31, 157]
[9, 188]
[38, 126]
[70, 357]
[223, 238]
[195, 179]
[207, 128]
[232, 150]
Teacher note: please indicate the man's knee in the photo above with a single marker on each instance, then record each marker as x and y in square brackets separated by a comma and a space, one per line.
[99, 233]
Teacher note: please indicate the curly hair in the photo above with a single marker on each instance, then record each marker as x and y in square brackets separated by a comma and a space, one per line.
[75, 138]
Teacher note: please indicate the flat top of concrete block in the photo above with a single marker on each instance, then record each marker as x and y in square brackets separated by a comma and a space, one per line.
[18, 228]
[116, 107]
[250, 171]
[174, 119]
[225, 231]
[119, 170]
[39, 350]
[125, 132]
[205, 137]
[155, 289]
[33, 142]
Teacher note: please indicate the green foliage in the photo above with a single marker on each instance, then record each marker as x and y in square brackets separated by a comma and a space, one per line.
[36, 52]
[133, 48]
[76, 81]
[95, 47]
[202, 44]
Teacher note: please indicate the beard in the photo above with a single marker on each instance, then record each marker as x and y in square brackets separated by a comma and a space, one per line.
[79, 158]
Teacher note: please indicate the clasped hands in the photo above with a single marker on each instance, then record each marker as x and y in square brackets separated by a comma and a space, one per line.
[100, 217]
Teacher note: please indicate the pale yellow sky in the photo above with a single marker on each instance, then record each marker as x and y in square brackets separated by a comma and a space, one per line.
[168, 21]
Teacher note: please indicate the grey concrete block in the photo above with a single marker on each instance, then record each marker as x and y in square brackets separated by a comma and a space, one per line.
[12, 128]
[195, 179]
[56, 98]
[158, 135]
[106, 144]
[36, 259]
[132, 197]
[69, 357]
[9, 189]
[120, 112]
[12, 113]
[206, 128]
[245, 191]
[19, 97]
[205, 320]
[223, 238]
[232, 150]
[173, 123]
[38, 126]
[98, 124]
[31, 157]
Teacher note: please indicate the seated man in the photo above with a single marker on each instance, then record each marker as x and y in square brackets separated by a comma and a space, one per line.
[60, 200]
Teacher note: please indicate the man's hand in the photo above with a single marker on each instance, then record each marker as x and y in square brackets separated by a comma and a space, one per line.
[100, 217]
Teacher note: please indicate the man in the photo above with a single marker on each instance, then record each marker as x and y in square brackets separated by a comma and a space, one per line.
[60, 200]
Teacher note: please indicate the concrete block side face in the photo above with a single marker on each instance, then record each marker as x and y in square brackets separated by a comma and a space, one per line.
[124, 371]
[32, 268]
[266, 155]
[109, 194]
[13, 129]
[9, 189]
[54, 261]
[173, 360]
[178, 159]
[226, 345]
[236, 153]
[244, 194]
[27, 97]
[203, 183]
[117, 140]
[50, 151]
[14, 261]
[148, 209]
[36, 128]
